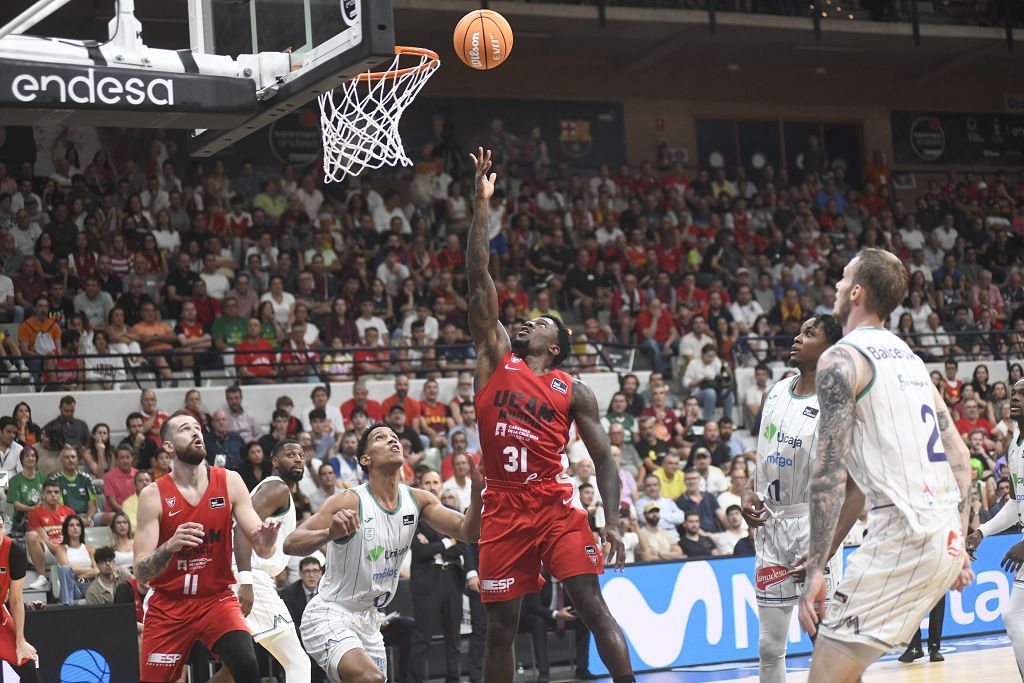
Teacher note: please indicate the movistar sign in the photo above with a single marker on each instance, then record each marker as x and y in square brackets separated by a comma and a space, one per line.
[87, 88]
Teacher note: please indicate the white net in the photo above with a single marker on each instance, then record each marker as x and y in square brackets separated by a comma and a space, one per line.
[359, 120]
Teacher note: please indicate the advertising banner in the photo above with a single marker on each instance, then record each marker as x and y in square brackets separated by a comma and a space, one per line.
[705, 611]
[956, 138]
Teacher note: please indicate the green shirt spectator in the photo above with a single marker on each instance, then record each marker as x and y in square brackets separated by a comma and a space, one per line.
[229, 328]
[76, 489]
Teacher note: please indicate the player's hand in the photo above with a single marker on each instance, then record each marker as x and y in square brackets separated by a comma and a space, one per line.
[344, 523]
[966, 576]
[484, 183]
[245, 598]
[973, 542]
[25, 652]
[187, 535]
[473, 584]
[1014, 558]
[753, 510]
[812, 602]
[798, 572]
[265, 535]
[476, 475]
[616, 548]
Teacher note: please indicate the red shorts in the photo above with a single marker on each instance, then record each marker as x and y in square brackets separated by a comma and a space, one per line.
[170, 628]
[8, 638]
[525, 526]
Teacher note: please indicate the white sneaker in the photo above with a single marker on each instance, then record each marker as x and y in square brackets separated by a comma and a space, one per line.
[40, 584]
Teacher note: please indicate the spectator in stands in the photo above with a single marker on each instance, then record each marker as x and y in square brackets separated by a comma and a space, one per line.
[179, 285]
[76, 489]
[122, 542]
[119, 482]
[155, 339]
[346, 463]
[973, 420]
[712, 518]
[671, 515]
[401, 397]
[242, 292]
[468, 427]
[328, 487]
[108, 576]
[25, 488]
[223, 446]
[240, 420]
[713, 479]
[255, 466]
[74, 431]
[657, 334]
[256, 359]
[39, 337]
[710, 382]
[650, 447]
[45, 532]
[617, 415]
[712, 440]
[453, 355]
[298, 362]
[372, 360]
[670, 476]
[735, 530]
[144, 449]
[10, 449]
[435, 416]
[660, 545]
[360, 399]
[152, 417]
[694, 540]
[75, 561]
[94, 302]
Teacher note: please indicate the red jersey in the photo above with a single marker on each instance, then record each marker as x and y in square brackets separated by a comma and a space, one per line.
[5, 563]
[436, 416]
[204, 570]
[50, 522]
[524, 422]
[260, 360]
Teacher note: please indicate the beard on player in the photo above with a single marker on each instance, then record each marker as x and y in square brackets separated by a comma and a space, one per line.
[193, 454]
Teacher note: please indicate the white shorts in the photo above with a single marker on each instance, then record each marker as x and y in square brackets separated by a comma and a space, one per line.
[329, 631]
[778, 545]
[893, 580]
[269, 616]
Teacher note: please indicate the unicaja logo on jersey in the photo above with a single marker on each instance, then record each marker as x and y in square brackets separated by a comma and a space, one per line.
[789, 439]
[769, 431]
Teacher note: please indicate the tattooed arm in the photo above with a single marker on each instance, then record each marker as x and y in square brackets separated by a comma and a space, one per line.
[958, 456]
[489, 336]
[837, 389]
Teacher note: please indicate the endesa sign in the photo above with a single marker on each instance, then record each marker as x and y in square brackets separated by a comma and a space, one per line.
[705, 611]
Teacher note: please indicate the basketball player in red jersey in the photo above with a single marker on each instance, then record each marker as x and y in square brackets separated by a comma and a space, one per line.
[183, 550]
[532, 514]
[14, 649]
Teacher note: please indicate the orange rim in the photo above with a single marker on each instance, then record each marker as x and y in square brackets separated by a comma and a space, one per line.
[432, 62]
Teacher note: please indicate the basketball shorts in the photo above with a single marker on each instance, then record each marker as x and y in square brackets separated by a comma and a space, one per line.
[269, 616]
[330, 631]
[893, 580]
[8, 638]
[778, 545]
[525, 526]
[170, 627]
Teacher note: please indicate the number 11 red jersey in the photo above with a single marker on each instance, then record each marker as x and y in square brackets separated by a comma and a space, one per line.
[524, 422]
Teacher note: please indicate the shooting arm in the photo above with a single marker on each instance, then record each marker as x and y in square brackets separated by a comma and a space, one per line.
[595, 438]
[836, 388]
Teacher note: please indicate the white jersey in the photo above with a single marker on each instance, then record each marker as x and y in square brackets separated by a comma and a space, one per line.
[897, 457]
[362, 570]
[787, 445]
[1015, 463]
[276, 564]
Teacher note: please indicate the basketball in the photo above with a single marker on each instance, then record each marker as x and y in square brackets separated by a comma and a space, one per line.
[483, 39]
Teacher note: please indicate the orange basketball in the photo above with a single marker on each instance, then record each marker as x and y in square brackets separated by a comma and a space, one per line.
[483, 39]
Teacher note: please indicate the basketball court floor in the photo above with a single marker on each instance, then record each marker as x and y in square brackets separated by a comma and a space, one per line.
[976, 659]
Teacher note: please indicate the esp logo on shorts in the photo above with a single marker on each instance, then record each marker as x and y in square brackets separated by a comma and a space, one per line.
[163, 658]
[497, 585]
[769, 576]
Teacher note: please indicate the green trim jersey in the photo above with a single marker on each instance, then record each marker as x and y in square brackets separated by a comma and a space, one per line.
[787, 445]
[362, 569]
[1015, 463]
[276, 564]
[897, 457]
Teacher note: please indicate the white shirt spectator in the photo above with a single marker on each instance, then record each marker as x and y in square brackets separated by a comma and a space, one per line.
[439, 191]
[392, 279]
[155, 204]
[281, 310]
[605, 236]
[690, 345]
[431, 328]
[671, 515]
[912, 239]
[25, 240]
[697, 370]
[311, 201]
[6, 288]
[10, 462]
[169, 240]
[746, 314]
[463, 493]
[551, 202]
[947, 238]
[715, 482]
[308, 484]
[362, 324]
[382, 220]
[217, 285]
[725, 542]
[18, 201]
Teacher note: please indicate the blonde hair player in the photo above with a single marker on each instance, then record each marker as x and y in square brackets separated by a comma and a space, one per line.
[1011, 513]
[884, 429]
[775, 501]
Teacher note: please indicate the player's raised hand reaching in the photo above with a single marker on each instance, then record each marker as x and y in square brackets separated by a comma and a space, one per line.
[265, 535]
[616, 549]
[484, 183]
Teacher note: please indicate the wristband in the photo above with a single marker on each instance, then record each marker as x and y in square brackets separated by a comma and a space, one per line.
[245, 578]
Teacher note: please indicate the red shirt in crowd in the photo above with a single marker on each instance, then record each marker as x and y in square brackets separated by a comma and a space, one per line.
[372, 408]
[411, 405]
[965, 426]
[119, 484]
[661, 333]
[50, 522]
[260, 357]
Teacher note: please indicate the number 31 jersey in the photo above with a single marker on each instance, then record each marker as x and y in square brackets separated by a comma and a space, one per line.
[524, 422]
[787, 445]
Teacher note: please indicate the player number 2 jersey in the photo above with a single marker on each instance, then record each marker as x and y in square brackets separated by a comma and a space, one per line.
[897, 457]
[362, 570]
[524, 422]
[787, 445]
[204, 570]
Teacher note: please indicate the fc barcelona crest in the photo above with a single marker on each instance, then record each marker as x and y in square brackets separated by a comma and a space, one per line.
[575, 139]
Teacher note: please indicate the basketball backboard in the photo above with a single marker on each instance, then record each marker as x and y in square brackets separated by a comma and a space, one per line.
[250, 63]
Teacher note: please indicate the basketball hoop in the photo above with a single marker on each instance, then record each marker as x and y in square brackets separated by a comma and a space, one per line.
[360, 130]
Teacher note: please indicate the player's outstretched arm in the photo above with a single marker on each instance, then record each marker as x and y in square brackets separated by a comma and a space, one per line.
[267, 500]
[837, 382]
[464, 527]
[489, 336]
[588, 423]
[337, 518]
[152, 558]
[261, 533]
